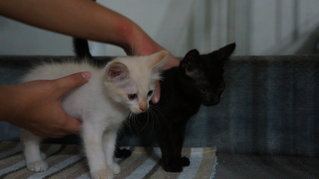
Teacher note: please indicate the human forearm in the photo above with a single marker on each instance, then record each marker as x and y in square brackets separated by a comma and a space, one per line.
[5, 107]
[85, 19]
[79, 18]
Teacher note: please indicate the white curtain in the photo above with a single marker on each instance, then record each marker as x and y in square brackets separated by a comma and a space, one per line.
[178, 25]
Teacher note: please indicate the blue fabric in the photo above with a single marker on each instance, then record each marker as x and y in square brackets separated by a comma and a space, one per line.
[270, 105]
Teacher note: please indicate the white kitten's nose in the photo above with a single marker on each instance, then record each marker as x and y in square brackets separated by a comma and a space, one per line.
[143, 106]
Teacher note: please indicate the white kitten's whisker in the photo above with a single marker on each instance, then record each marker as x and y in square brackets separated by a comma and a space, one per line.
[158, 117]
[159, 111]
[147, 120]
[153, 118]
[134, 122]
[159, 114]
[128, 122]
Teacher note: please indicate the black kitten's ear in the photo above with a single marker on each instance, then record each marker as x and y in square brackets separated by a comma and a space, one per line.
[224, 52]
[192, 54]
[191, 60]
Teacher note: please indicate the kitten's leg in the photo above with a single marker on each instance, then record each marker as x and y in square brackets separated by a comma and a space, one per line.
[121, 153]
[92, 139]
[171, 142]
[109, 141]
[179, 141]
[169, 161]
[32, 151]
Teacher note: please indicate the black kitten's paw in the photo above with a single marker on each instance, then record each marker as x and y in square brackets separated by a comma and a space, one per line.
[184, 161]
[172, 168]
[122, 153]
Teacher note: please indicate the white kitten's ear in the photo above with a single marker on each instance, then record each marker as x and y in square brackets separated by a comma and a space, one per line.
[116, 72]
[157, 60]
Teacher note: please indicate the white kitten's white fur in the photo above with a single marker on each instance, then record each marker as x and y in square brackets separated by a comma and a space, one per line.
[101, 104]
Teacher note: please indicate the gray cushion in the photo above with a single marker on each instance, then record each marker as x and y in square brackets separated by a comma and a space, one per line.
[269, 106]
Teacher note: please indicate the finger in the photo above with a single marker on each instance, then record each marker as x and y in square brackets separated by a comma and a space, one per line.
[70, 82]
[157, 93]
[58, 135]
[172, 62]
[72, 126]
[49, 134]
[39, 134]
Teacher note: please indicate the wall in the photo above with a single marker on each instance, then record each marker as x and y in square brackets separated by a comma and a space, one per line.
[20, 39]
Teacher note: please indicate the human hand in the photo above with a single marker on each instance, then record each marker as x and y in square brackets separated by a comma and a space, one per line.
[141, 44]
[172, 62]
[36, 105]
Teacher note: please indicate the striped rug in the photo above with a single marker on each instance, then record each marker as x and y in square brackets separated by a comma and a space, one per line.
[67, 161]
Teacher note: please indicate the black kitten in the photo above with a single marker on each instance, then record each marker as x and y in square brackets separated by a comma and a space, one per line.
[198, 80]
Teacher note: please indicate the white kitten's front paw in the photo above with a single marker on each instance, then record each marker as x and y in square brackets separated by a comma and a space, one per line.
[102, 174]
[115, 168]
[37, 166]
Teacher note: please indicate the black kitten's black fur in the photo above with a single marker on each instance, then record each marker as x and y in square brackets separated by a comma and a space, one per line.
[198, 80]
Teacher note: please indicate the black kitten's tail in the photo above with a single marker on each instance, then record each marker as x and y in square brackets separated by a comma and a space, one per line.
[81, 48]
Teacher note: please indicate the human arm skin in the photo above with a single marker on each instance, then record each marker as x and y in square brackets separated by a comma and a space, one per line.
[36, 106]
[88, 20]
[84, 19]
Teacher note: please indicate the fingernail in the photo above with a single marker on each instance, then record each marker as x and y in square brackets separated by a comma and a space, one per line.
[86, 75]
[155, 100]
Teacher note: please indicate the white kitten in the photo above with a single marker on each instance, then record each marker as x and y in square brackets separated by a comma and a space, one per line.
[125, 84]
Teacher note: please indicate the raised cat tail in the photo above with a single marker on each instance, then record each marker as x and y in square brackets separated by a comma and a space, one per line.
[81, 48]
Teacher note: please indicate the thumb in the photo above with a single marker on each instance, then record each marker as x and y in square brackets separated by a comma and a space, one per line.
[68, 83]
[157, 93]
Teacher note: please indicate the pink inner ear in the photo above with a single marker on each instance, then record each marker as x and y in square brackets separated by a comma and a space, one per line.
[115, 71]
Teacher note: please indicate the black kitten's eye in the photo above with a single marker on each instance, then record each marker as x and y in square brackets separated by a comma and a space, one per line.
[132, 96]
[150, 93]
[203, 90]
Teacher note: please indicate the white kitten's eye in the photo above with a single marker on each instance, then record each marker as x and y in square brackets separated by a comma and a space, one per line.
[132, 96]
[150, 93]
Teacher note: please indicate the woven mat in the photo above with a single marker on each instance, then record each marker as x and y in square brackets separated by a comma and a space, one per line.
[67, 161]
